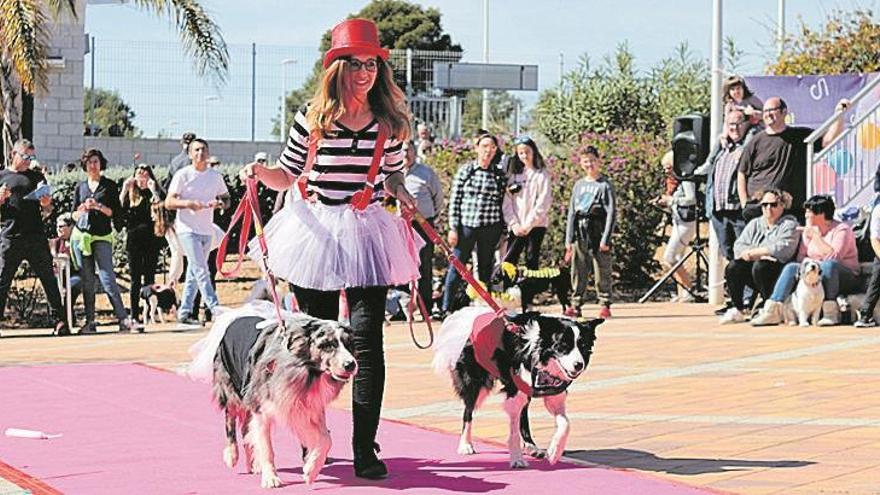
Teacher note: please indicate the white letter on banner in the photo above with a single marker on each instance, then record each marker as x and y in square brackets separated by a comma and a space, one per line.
[819, 87]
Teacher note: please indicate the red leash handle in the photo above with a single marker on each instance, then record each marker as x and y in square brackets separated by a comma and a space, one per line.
[248, 212]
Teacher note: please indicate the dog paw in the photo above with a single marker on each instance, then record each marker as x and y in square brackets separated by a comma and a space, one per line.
[554, 453]
[518, 463]
[466, 449]
[270, 480]
[230, 456]
[534, 451]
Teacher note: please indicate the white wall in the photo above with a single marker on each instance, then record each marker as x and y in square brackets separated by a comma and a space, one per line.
[121, 151]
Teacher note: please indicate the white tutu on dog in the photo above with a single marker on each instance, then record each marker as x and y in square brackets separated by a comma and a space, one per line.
[324, 247]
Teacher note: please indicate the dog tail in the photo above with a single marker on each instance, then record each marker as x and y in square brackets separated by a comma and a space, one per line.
[454, 334]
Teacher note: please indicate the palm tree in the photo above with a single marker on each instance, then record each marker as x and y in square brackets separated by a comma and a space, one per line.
[24, 44]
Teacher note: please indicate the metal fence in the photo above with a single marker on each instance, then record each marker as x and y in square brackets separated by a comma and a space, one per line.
[167, 97]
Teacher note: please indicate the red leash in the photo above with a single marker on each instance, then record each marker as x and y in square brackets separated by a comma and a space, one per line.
[248, 211]
[488, 328]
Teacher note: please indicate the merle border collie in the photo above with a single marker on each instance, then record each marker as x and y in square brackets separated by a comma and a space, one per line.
[264, 373]
[550, 351]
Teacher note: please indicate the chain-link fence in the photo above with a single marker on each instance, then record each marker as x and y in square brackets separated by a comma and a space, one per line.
[159, 84]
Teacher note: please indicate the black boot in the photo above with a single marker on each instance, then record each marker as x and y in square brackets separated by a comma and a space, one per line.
[367, 465]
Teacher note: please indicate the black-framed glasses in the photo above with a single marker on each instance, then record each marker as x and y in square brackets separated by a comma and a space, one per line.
[772, 204]
[355, 65]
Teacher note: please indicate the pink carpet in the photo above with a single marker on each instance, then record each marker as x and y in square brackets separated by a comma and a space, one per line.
[129, 428]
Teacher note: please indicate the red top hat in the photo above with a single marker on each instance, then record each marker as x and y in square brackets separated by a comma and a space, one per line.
[354, 37]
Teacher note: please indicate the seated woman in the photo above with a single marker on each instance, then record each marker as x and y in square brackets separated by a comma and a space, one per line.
[762, 250]
[829, 242]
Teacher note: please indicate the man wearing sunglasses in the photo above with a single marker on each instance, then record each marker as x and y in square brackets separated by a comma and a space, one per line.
[777, 157]
[22, 236]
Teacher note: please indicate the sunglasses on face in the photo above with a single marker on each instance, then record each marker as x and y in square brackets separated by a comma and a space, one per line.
[770, 204]
[261, 160]
[770, 110]
[26, 157]
[355, 65]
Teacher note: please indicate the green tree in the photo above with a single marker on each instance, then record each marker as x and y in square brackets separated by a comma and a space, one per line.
[615, 97]
[401, 25]
[24, 44]
[502, 110]
[848, 42]
[611, 97]
[681, 85]
[111, 115]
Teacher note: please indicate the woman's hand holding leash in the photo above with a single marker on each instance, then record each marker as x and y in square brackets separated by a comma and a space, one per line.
[251, 171]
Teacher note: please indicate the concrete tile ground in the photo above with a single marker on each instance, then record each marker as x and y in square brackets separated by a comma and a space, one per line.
[669, 393]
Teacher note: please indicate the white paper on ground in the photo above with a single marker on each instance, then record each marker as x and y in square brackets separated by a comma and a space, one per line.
[23, 433]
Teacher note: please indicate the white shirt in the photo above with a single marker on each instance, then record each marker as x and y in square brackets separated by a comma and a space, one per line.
[190, 184]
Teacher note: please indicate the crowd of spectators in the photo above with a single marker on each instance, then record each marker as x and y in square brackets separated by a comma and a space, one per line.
[498, 209]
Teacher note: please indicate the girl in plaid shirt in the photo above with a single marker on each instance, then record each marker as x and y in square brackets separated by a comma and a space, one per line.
[475, 218]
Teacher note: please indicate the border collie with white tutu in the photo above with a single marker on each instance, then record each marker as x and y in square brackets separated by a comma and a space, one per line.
[264, 373]
[550, 352]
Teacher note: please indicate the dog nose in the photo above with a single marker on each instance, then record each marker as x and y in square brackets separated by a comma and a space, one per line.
[579, 366]
[350, 366]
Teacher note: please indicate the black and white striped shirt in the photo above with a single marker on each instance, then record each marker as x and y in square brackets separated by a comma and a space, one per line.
[342, 160]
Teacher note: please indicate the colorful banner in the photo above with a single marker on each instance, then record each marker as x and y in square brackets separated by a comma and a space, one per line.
[811, 99]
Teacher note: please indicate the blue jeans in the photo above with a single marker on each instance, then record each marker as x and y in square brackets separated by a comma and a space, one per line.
[835, 279]
[196, 248]
[101, 261]
[485, 239]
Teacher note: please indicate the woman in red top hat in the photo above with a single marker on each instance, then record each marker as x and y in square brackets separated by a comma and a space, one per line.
[337, 236]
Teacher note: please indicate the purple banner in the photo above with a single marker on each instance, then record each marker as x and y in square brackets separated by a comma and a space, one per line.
[810, 99]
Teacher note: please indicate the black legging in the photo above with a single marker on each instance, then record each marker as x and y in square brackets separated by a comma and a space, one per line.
[143, 255]
[530, 243]
[367, 316]
[760, 275]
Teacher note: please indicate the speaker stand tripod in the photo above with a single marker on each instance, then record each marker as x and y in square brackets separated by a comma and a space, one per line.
[701, 262]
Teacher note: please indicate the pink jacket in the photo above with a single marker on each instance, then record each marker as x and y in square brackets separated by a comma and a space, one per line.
[530, 206]
[841, 237]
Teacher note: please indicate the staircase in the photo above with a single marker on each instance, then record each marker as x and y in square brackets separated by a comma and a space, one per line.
[845, 169]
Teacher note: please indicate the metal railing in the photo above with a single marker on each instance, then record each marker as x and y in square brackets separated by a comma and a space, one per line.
[845, 168]
[168, 98]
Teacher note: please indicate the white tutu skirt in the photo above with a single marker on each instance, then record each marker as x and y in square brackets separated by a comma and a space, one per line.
[324, 247]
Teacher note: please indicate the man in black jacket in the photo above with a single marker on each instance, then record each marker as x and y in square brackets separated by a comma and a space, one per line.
[22, 235]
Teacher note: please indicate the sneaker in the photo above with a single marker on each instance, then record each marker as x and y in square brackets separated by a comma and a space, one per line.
[186, 319]
[722, 310]
[572, 312]
[438, 315]
[88, 328]
[732, 315]
[605, 312]
[865, 320]
[687, 297]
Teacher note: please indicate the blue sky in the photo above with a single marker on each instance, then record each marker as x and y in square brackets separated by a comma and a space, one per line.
[520, 31]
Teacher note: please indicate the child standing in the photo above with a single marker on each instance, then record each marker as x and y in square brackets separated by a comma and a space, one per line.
[591, 219]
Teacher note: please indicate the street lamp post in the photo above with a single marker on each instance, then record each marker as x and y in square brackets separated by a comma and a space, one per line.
[282, 132]
[208, 98]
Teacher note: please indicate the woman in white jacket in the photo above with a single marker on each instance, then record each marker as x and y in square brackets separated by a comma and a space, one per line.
[526, 203]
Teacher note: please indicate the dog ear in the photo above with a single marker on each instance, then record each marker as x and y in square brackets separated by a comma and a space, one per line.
[589, 326]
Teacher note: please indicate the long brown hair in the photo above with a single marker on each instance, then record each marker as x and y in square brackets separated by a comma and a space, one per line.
[387, 101]
[134, 194]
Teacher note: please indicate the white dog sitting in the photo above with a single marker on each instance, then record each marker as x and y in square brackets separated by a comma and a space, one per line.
[806, 301]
